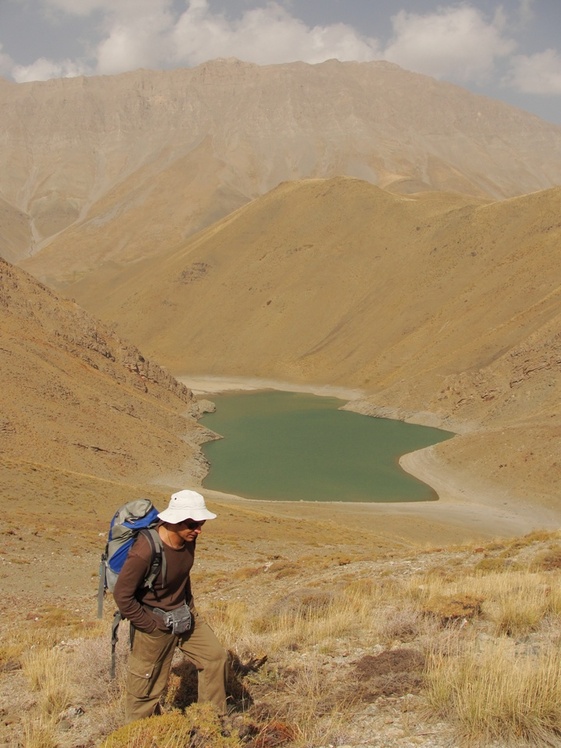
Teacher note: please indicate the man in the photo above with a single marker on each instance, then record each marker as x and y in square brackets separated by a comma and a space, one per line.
[164, 616]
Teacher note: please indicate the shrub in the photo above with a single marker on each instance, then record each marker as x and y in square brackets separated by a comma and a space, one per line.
[198, 727]
[494, 565]
[547, 560]
[449, 608]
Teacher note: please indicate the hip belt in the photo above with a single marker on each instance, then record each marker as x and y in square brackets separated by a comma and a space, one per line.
[178, 621]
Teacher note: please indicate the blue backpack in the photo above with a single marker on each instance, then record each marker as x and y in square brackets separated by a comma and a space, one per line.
[138, 516]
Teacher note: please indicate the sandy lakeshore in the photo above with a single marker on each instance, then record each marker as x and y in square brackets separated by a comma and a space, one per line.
[463, 512]
[210, 385]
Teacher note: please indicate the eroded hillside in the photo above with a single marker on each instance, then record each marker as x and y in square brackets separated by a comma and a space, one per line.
[78, 399]
[444, 310]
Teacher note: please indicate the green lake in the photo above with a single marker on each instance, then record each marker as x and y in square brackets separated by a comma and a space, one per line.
[298, 447]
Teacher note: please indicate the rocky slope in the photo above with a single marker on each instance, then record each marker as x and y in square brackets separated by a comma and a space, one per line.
[79, 399]
[114, 168]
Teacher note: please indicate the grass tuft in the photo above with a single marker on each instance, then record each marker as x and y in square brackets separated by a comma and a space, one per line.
[198, 727]
[494, 692]
[47, 673]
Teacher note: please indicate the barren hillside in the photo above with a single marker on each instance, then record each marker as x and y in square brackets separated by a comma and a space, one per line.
[77, 399]
[444, 310]
[115, 168]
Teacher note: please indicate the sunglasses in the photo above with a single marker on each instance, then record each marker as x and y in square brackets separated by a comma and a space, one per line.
[191, 524]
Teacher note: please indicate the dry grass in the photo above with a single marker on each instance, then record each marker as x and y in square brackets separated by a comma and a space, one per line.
[518, 603]
[478, 650]
[494, 692]
[47, 626]
[47, 673]
[301, 629]
[39, 733]
[445, 615]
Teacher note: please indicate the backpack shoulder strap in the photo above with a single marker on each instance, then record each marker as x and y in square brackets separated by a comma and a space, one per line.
[158, 556]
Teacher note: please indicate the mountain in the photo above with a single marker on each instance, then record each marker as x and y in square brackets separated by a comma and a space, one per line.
[113, 169]
[442, 309]
[78, 399]
[16, 231]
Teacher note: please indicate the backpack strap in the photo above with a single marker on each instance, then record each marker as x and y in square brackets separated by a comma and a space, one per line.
[117, 618]
[158, 557]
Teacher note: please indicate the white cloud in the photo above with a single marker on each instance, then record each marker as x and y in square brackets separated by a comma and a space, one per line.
[536, 74]
[135, 39]
[146, 33]
[455, 42]
[264, 35]
[43, 69]
[6, 63]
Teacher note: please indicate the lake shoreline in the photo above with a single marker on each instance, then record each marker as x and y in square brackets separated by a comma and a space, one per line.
[215, 385]
[461, 514]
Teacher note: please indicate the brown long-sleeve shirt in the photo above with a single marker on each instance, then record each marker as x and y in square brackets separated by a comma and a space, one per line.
[166, 594]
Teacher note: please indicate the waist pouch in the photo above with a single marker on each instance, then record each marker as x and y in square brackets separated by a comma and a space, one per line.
[177, 620]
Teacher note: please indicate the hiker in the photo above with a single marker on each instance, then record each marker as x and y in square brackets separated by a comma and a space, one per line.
[164, 616]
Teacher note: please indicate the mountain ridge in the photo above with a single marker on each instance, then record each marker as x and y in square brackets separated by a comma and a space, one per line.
[91, 160]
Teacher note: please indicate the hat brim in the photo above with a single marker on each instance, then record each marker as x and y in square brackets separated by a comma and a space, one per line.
[175, 516]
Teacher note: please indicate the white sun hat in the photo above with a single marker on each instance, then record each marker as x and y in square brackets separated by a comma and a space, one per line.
[186, 505]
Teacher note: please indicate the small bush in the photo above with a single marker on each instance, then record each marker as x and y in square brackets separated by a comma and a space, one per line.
[247, 572]
[449, 608]
[199, 727]
[401, 623]
[302, 605]
[494, 565]
[282, 568]
[548, 560]
[391, 673]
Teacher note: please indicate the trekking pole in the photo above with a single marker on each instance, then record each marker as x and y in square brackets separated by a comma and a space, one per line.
[101, 586]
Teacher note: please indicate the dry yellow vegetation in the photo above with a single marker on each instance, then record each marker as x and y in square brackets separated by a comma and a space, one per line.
[439, 309]
[371, 625]
[378, 647]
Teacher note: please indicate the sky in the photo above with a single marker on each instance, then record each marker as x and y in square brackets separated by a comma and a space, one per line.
[509, 50]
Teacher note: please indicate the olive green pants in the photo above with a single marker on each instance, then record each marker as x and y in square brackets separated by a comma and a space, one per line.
[150, 664]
